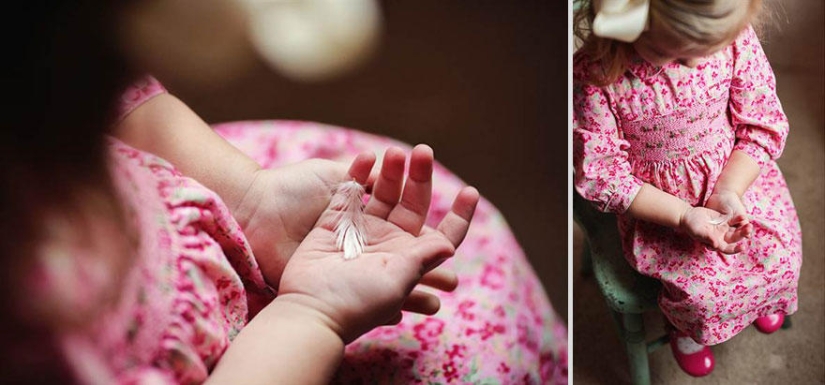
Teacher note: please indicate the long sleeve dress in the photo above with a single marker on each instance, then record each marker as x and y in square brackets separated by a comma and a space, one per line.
[675, 127]
[195, 283]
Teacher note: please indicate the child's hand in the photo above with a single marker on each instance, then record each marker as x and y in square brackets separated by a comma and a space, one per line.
[282, 205]
[730, 205]
[354, 296]
[715, 230]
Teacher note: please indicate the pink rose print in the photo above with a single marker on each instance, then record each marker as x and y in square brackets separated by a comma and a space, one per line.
[427, 332]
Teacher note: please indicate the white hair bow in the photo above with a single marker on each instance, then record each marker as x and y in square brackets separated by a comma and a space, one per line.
[313, 39]
[622, 20]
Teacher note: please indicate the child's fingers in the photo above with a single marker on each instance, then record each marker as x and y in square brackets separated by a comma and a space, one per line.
[740, 247]
[738, 234]
[723, 247]
[440, 278]
[387, 189]
[734, 248]
[359, 170]
[716, 240]
[748, 230]
[430, 249]
[411, 212]
[421, 302]
[738, 220]
[733, 235]
[371, 181]
[361, 167]
[456, 223]
[728, 248]
[395, 320]
[732, 244]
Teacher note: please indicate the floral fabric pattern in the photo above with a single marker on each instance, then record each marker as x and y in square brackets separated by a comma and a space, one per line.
[195, 282]
[497, 327]
[675, 128]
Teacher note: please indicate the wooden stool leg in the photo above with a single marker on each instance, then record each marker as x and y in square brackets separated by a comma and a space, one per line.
[633, 333]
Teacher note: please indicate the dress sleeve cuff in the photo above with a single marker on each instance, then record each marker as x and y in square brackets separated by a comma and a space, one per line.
[138, 93]
[623, 195]
[755, 151]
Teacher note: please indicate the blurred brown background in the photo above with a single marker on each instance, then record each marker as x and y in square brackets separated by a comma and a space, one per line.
[483, 82]
[794, 40]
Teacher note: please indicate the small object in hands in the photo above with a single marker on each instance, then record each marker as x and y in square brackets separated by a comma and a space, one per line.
[721, 219]
[727, 214]
[350, 228]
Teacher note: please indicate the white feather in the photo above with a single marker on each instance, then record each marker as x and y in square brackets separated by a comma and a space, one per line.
[350, 231]
[724, 218]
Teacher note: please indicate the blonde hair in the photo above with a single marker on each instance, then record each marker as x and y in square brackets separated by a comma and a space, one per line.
[697, 22]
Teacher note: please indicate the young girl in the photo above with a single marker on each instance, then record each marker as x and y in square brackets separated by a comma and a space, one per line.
[676, 128]
[154, 254]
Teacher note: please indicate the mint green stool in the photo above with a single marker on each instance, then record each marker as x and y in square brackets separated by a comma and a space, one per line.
[628, 294]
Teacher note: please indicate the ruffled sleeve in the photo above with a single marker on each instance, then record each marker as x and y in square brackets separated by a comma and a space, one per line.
[190, 287]
[756, 113]
[138, 93]
[600, 158]
[89, 366]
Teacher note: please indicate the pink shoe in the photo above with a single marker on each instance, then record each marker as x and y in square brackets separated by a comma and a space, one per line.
[769, 323]
[696, 360]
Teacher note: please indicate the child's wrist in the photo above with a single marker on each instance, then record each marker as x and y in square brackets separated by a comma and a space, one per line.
[241, 204]
[723, 190]
[686, 207]
[286, 342]
[306, 310]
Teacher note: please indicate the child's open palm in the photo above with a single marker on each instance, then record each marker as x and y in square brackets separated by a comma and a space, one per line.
[730, 205]
[281, 207]
[725, 233]
[356, 295]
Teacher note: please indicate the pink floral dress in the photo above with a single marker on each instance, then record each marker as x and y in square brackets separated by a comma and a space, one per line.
[195, 282]
[675, 127]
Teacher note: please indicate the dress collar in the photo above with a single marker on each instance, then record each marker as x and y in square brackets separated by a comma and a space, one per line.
[643, 69]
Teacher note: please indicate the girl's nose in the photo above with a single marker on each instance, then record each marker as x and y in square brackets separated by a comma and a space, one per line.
[690, 62]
